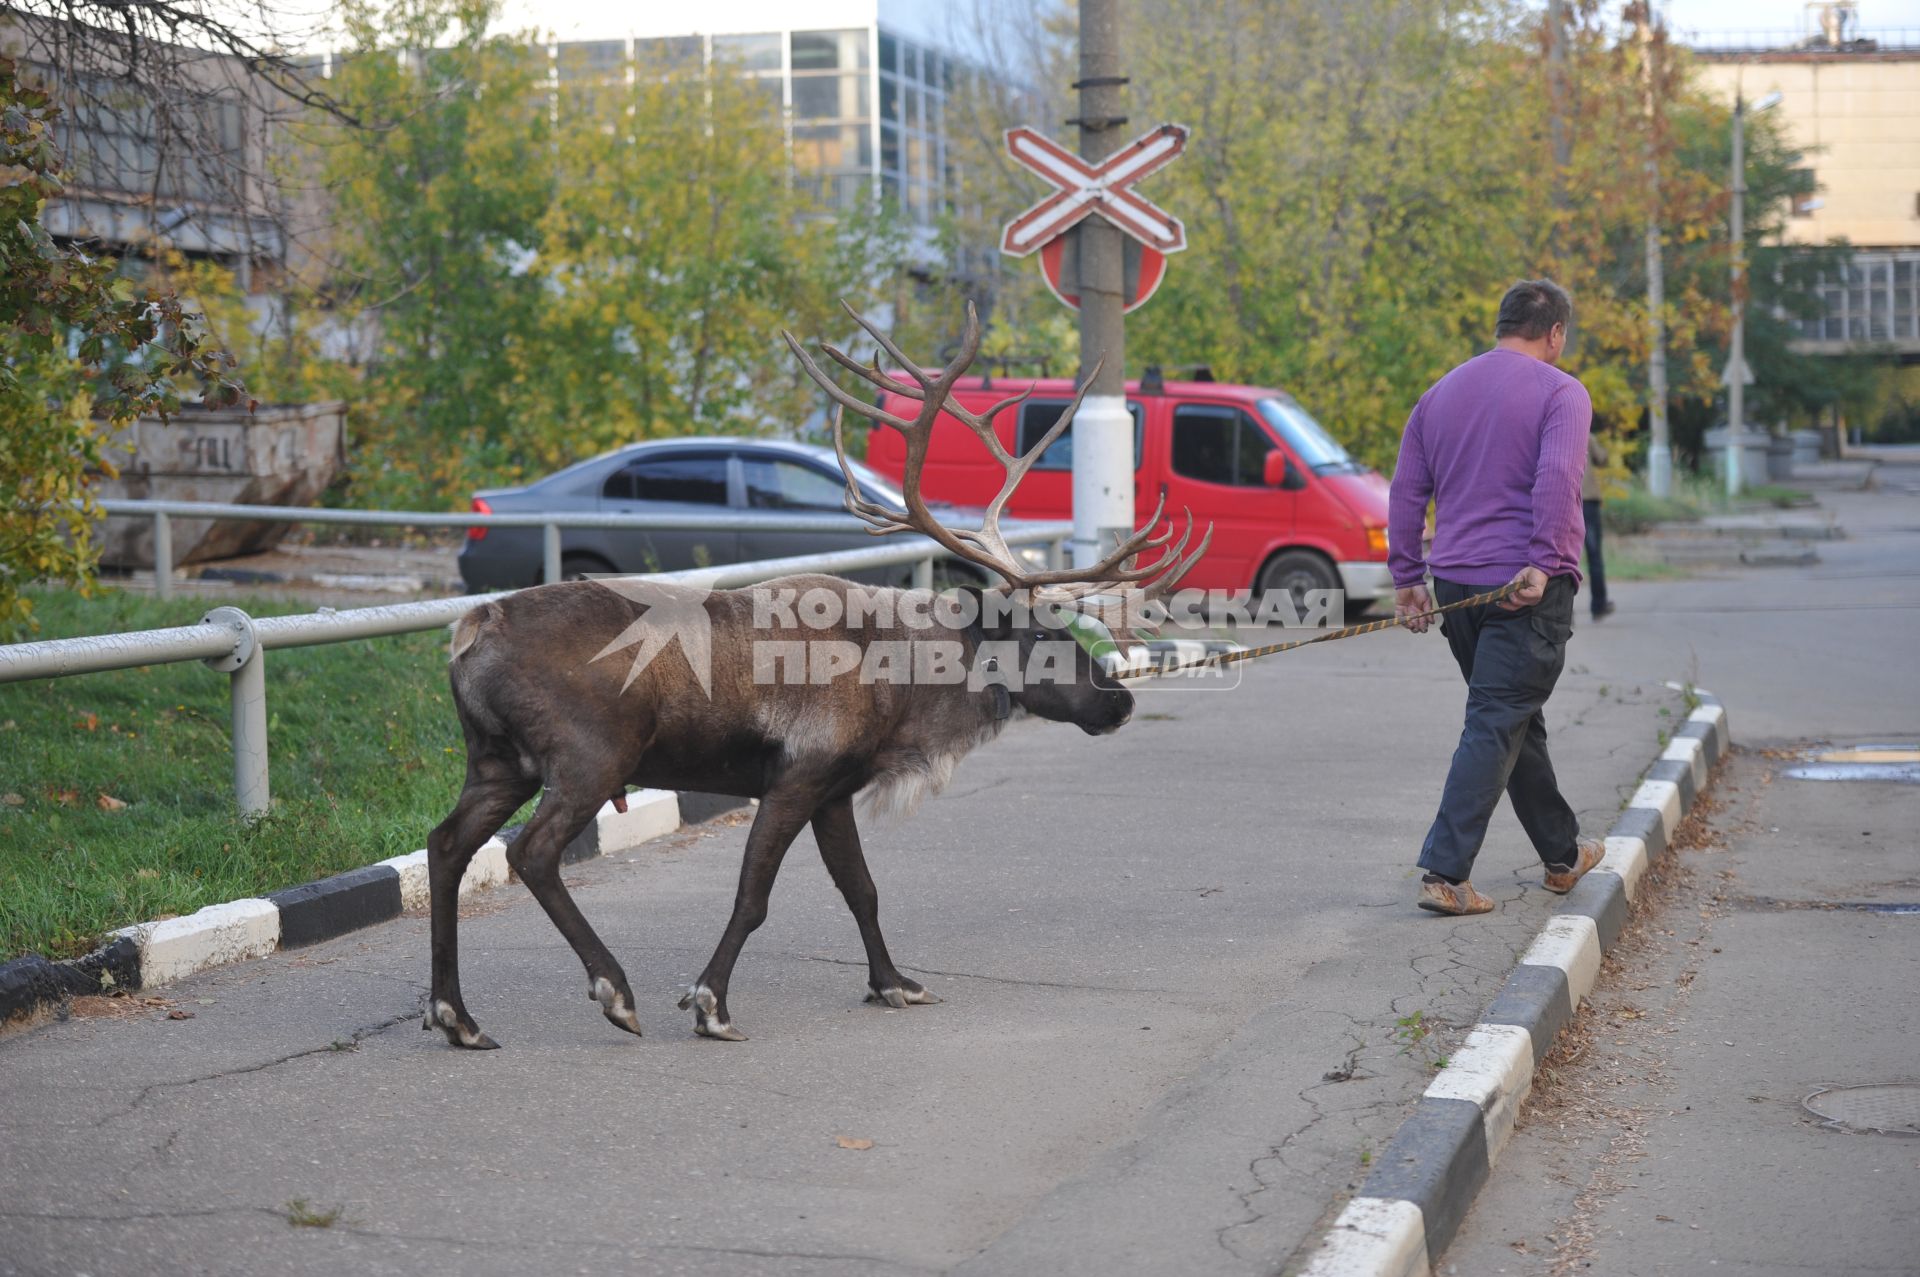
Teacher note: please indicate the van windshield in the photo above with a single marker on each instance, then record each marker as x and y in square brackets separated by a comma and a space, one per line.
[1308, 439]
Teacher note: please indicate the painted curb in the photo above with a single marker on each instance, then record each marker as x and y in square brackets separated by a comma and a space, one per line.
[1421, 1186]
[160, 952]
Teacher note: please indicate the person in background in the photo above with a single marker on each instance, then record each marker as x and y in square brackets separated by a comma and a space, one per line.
[1590, 508]
[1500, 447]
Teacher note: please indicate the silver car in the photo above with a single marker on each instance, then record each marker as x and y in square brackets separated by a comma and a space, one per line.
[729, 480]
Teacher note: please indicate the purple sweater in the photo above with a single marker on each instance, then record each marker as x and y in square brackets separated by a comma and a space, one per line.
[1499, 444]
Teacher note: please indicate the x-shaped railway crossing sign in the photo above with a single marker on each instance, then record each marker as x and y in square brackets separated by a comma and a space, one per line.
[1087, 188]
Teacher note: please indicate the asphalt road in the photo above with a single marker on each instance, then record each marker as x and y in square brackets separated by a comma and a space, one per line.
[1672, 1139]
[1158, 953]
[1676, 1142]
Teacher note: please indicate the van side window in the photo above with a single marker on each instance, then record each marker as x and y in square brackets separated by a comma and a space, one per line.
[698, 478]
[1217, 444]
[1037, 417]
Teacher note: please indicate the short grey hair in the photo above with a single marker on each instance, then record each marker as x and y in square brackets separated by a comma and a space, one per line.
[1531, 308]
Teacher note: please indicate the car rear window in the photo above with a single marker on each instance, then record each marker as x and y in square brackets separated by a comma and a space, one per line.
[1037, 417]
[1217, 444]
[689, 478]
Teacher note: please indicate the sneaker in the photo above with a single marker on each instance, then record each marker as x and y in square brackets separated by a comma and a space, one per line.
[1453, 900]
[1560, 880]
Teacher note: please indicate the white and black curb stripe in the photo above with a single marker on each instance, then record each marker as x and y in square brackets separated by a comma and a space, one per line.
[156, 953]
[1412, 1203]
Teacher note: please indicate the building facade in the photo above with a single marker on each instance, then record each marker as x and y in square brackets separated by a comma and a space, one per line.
[862, 85]
[1851, 103]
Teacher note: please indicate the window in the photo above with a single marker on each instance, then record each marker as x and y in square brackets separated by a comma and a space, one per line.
[1805, 199]
[674, 51]
[789, 485]
[1218, 444]
[828, 97]
[829, 50]
[819, 147]
[1037, 417]
[693, 478]
[749, 52]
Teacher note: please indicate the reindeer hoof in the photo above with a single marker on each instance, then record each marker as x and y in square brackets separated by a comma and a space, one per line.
[442, 1016]
[707, 1021]
[906, 993]
[613, 1004]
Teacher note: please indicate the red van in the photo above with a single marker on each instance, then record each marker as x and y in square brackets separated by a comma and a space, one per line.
[1290, 509]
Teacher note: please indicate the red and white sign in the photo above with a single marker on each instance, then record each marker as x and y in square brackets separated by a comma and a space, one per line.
[1086, 189]
[1141, 271]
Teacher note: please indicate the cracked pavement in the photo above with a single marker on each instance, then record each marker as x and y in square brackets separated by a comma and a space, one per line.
[1173, 962]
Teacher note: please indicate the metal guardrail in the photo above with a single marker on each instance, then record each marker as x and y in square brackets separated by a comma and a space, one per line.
[227, 639]
[163, 513]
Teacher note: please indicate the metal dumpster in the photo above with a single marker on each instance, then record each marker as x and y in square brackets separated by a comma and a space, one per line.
[278, 454]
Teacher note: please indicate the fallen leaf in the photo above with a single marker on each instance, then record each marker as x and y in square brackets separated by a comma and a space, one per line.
[65, 797]
[91, 722]
[146, 873]
[857, 1145]
[179, 1013]
[108, 802]
[13, 800]
[1665, 1219]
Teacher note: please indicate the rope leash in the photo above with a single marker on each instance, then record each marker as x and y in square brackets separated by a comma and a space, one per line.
[1248, 654]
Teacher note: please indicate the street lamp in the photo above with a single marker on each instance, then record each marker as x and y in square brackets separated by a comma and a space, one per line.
[1737, 374]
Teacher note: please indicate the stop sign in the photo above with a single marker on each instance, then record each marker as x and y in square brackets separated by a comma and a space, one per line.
[1142, 269]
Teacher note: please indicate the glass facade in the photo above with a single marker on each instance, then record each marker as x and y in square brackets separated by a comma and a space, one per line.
[914, 83]
[865, 110]
[1877, 301]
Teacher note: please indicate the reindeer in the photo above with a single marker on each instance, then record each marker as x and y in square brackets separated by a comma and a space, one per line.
[543, 705]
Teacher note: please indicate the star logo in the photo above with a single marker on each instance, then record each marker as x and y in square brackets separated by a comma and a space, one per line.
[673, 613]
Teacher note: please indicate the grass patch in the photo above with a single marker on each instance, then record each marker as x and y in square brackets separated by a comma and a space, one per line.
[116, 789]
[1636, 510]
[1627, 561]
[302, 1215]
[1774, 495]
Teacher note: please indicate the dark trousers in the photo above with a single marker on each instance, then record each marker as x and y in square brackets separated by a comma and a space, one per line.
[1511, 661]
[1596, 566]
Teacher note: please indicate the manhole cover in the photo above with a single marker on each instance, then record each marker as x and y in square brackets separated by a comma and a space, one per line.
[1892, 1109]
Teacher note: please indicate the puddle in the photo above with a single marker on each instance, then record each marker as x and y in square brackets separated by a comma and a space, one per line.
[1899, 909]
[1904, 773]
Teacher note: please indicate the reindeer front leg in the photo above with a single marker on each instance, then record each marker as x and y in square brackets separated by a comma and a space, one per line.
[839, 840]
[782, 813]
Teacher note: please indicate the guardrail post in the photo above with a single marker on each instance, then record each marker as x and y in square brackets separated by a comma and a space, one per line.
[923, 573]
[550, 547]
[246, 665]
[162, 555]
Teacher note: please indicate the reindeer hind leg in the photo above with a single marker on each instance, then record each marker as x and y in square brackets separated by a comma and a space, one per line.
[489, 797]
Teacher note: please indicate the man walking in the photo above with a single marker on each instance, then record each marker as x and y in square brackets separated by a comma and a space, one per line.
[1590, 508]
[1500, 446]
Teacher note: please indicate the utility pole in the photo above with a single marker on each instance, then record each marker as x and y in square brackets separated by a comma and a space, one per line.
[1557, 95]
[1737, 347]
[1659, 446]
[1103, 429]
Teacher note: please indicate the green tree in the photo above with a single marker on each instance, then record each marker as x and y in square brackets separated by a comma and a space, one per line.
[83, 350]
[540, 269]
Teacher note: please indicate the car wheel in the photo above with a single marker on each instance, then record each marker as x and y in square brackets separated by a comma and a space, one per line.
[1296, 572]
[580, 567]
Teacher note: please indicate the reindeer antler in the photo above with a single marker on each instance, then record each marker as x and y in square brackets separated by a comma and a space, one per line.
[986, 546]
